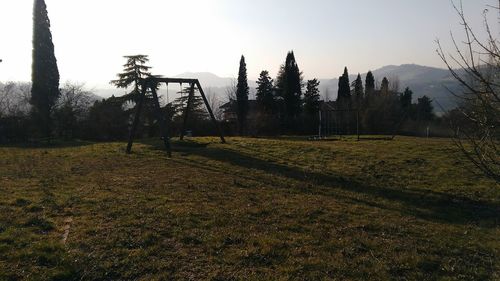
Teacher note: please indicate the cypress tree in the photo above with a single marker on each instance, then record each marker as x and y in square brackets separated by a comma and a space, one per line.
[358, 91]
[289, 83]
[344, 93]
[45, 73]
[242, 95]
[265, 96]
[384, 87]
[369, 84]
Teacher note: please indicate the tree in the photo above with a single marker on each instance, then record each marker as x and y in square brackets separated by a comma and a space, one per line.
[344, 93]
[369, 84]
[107, 120]
[265, 92]
[425, 110]
[358, 91]
[476, 66]
[289, 84]
[311, 98]
[45, 73]
[406, 98]
[134, 70]
[242, 96]
[71, 109]
[384, 87]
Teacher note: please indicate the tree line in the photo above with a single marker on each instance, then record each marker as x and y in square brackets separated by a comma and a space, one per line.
[290, 105]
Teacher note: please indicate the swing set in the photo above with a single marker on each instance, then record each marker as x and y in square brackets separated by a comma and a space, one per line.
[152, 83]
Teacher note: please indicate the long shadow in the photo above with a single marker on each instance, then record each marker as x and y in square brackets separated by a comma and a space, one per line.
[428, 205]
[52, 144]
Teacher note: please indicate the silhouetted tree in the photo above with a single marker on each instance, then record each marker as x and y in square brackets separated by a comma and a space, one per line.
[289, 84]
[134, 70]
[265, 93]
[242, 96]
[425, 110]
[45, 73]
[358, 91]
[107, 120]
[384, 87]
[344, 93]
[406, 98]
[369, 84]
[311, 98]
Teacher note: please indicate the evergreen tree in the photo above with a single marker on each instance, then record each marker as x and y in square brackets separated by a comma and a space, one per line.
[242, 96]
[45, 73]
[311, 98]
[406, 98]
[197, 109]
[369, 84]
[425, 110]
[384, 87]
[358, 91]
[344, 93]
[134, 70]
[265, 95]
[289, 83]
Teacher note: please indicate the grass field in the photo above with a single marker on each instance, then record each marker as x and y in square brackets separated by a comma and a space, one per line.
[253, 209]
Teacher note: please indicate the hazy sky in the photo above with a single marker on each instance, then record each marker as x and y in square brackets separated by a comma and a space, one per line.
[91, 36]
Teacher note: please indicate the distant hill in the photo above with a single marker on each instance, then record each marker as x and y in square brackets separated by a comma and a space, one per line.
[422, 80]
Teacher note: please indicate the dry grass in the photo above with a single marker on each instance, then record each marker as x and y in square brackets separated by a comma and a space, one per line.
[254, 209]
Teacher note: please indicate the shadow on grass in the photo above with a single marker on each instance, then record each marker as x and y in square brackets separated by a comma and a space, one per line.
[44, 144]
[424, 204]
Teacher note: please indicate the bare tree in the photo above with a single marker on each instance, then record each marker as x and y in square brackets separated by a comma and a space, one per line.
[76, 98]
[215, 103]
[231, 90]
[394, 84]
[475, 64]
[14, 99]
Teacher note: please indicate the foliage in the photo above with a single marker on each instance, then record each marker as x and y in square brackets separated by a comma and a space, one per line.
[344, 94]
[358, 92]
[312, 98]
[289, 86]
[45, 73]
[265, 93]
[242, 96]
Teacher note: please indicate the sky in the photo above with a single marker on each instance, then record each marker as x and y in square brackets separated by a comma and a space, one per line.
[92, 36]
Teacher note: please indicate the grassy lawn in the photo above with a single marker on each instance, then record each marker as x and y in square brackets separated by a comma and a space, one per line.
[253, 209]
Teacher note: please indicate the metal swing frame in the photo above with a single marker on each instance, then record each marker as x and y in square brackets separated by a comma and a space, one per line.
[152, 84]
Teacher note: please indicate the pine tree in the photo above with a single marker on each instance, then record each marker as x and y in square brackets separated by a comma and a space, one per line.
[242, 96]
[369, 85]
[311, 98]
[344, 93]
[134, 70]
[265, 96]
[384, 87]
[289, 84]
[358, 91]
[45, 73]
[197, 109]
